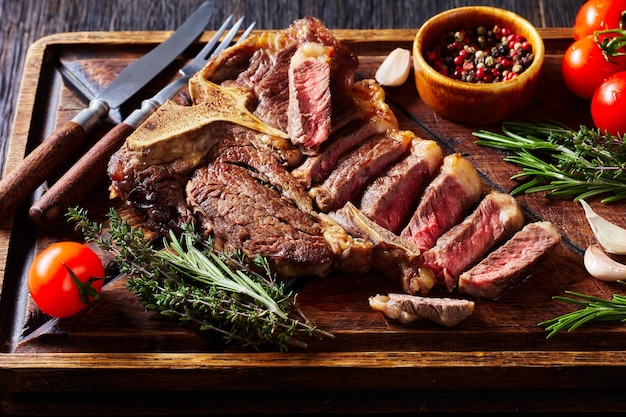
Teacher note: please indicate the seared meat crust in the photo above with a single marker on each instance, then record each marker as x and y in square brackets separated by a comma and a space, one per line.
[245, 214]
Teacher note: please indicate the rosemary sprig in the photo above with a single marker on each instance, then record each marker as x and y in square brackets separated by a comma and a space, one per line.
[188, 279]
[592, 309]
[561, 162]
[205, 266]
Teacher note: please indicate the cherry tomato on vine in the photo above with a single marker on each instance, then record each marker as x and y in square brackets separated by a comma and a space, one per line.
[608, 105]
[584, 67]
[598, 15]
[65, 278]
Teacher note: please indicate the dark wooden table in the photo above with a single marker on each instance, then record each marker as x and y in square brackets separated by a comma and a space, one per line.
[25, 21]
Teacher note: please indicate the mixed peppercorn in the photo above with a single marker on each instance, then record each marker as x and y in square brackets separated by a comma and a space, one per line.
[480, 54]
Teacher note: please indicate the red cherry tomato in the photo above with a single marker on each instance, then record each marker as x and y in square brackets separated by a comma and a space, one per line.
[598, 15]
[608, 105]
[584, 67]
[52, 286]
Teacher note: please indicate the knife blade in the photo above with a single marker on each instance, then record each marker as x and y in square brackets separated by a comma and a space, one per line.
[83, 90]
[39, 164]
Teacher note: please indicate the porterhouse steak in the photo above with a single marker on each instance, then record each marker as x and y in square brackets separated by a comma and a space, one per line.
[284, 154]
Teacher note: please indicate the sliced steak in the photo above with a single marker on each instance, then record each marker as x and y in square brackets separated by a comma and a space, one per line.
[285, 81]
[390, 198]
[377, 118]
[494, 220]
[408, 308]
[246, 55]
[355, 169]
[450, 195]
[244, 214]
[508, 265]
[232, 162]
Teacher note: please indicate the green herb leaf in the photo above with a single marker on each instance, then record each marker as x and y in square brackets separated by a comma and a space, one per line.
[592, 309]
[562, 162]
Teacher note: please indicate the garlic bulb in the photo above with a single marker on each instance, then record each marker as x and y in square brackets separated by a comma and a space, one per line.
[601, 266]
[395, 69]
[609, 235]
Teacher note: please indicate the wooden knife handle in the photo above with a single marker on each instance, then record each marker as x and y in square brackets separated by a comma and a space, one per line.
[39, 165]
[70, 189]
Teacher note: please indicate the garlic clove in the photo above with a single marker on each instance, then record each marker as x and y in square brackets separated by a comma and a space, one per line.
[601, 266]
[395, 69]
[609, 235]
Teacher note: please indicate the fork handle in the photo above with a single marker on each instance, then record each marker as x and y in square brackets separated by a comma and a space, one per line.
[72, 187]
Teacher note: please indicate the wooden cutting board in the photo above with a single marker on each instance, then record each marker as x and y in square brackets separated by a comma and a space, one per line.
[498, 359]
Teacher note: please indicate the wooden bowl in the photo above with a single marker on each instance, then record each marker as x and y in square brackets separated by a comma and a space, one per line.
[470, 102]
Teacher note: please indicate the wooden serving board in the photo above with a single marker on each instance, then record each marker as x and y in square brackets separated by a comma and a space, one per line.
[496, 360]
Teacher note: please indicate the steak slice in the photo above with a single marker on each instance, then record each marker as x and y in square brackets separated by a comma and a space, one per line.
[511, 263]
[494, 220]
[447, 198]
[408, 308]
[389, 199]
[356, 168]
[309, 110]
[247, 215]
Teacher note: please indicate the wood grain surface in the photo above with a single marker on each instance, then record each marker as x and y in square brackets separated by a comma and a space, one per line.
[498, 360]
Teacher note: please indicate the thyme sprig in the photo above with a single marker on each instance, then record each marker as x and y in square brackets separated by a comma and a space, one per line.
[562, 162]
[189, 279]
[592, 309]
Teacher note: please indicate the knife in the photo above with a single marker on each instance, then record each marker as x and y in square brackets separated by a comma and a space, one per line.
[91, 167]
[84, 91]
[63, 142]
